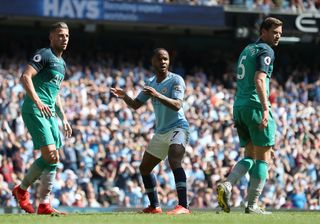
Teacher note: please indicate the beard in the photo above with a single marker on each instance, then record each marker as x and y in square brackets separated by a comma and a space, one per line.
[60, 47]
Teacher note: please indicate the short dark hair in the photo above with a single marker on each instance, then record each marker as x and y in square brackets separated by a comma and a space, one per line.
[269, 22]
[60, 25]
[156, 51]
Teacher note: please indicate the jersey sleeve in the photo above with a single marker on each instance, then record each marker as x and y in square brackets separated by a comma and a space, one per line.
[178, 89]
[142, 97]
[264, 58]
[38, 60]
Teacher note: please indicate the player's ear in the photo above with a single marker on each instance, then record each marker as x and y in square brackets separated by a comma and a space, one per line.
[50, 36]
[263, 31]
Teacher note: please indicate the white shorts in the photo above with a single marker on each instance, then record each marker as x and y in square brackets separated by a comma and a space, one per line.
[159, 144]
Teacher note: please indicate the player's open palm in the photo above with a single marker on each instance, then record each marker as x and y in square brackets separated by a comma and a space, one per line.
[118, 92]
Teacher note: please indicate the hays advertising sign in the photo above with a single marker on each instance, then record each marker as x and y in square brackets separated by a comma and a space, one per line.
[116, 11]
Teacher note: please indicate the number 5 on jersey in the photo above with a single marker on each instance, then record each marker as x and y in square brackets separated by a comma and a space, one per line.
[241, 68]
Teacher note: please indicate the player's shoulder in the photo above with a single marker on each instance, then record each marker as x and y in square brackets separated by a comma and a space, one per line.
[150, 80]
[175, 77]
[43, 51]
[41, 54]
[265, 47]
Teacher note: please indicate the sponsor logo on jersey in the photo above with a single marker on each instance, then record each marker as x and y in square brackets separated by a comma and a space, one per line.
[267, 60]
[177, 88]
[37, 58]
[57, 80]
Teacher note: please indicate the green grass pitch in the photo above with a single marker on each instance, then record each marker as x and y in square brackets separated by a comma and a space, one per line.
[195, 218]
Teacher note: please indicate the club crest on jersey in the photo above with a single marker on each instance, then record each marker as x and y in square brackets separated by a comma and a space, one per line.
[267, 60]
[164, 90]
[37, 58]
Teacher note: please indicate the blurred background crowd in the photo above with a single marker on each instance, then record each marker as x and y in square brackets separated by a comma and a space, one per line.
[295, 6]
[100, 162]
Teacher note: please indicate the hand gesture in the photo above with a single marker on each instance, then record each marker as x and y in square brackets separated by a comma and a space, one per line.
[44, 109]
[265, 118]
[67, 129]
[118, 92]
[150, 91]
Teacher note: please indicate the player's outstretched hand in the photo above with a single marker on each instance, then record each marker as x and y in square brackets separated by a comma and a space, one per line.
[118, 92]
[44, 109]
[67, 129]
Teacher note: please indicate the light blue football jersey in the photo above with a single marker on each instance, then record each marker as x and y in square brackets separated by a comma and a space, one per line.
[173, 87]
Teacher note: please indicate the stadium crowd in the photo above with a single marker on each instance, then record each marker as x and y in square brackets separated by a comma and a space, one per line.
[100, 163]
[293, 6]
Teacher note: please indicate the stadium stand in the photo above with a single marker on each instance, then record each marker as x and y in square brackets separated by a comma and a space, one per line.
[100, 162]
[99, 167]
